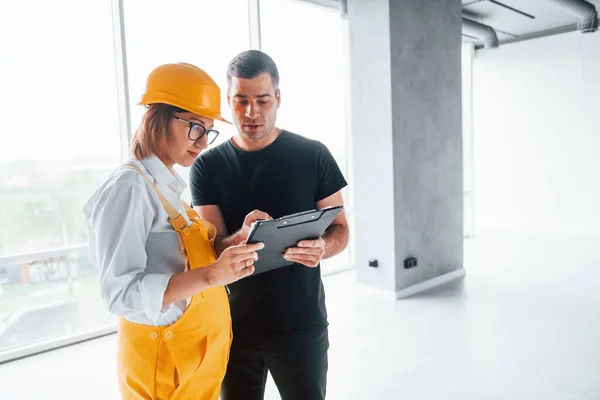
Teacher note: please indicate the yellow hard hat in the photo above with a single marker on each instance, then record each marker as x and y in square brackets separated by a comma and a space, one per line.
[185, 86]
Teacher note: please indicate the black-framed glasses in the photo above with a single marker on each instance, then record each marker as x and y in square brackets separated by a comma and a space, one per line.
[197, 131]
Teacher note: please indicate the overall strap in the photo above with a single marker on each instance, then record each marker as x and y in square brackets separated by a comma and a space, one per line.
[174, 215]
[187, 206]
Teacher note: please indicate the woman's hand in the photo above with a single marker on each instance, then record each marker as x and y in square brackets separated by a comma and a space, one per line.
[235, 263]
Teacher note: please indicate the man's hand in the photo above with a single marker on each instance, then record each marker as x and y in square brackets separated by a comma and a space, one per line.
[308, 252]
[223, 241]
[250, 218]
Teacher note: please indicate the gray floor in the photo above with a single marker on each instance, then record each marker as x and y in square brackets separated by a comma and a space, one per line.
[523, 324]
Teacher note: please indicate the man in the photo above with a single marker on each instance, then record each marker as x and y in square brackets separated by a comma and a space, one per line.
[279, 317]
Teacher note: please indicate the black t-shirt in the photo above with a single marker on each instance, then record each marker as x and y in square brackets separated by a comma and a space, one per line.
[288, 176]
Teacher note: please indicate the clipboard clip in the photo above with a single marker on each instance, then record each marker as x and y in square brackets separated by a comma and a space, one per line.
[301, 218]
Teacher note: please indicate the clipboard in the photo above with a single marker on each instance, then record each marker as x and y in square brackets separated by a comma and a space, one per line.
[282, 233]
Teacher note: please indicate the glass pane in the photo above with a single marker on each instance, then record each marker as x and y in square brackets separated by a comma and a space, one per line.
[60, 141]
[307, 43]
[207, 34]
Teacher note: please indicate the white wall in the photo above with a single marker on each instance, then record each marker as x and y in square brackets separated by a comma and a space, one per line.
[536, 144]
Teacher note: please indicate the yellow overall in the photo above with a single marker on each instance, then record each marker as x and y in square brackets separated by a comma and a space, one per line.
[188, 359]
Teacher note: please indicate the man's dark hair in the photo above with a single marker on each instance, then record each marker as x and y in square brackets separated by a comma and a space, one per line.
[250, 64]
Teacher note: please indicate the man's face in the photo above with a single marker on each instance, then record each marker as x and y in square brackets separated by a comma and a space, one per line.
[254, 103]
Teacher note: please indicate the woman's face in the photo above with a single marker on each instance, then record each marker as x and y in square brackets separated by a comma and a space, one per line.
[180, 149]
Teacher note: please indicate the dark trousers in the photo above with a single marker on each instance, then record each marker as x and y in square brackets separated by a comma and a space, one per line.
[297, 362]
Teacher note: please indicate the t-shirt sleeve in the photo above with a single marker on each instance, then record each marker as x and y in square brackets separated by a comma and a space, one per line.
[203, 193]
[329, 176]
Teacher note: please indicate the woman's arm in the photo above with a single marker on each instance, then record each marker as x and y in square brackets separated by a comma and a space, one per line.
[119, 223]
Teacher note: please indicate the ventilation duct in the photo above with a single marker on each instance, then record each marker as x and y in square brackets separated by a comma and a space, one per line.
[480, 31]
[587, 16]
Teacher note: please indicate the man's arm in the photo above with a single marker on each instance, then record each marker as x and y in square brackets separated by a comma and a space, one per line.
[213, 215]
[333, 241]
[336, 236]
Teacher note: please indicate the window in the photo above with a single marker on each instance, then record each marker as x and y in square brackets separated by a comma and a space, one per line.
[61, 137]
[311, 65]
[60, 140]
[207, 34]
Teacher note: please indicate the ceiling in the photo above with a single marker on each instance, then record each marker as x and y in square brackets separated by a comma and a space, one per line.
[528, 17]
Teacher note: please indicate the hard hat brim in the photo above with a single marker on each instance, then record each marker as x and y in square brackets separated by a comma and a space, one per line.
[166, 99]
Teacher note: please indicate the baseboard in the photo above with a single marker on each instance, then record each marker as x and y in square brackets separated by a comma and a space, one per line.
[412, 290]
[431, 283]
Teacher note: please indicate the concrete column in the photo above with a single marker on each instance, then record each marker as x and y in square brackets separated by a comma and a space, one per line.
[405, 58]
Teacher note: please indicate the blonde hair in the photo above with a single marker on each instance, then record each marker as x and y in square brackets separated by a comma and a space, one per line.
[149, 137]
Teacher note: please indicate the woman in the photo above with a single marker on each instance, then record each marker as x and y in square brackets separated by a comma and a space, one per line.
[158, 270]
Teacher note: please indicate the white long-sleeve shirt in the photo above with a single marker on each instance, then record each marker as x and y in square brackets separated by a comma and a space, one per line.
[133, 244]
